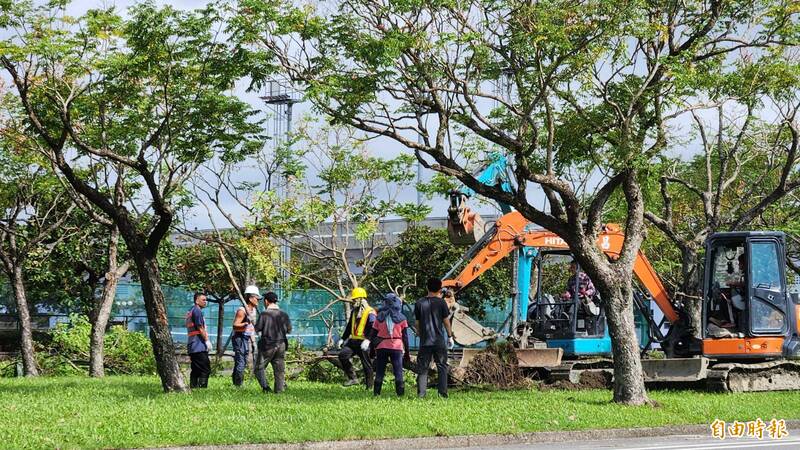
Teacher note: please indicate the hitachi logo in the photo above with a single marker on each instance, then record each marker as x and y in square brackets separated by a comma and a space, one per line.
[554, 241]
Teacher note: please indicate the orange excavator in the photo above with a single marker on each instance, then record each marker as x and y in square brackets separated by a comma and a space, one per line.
[750, 325]
[571, 324]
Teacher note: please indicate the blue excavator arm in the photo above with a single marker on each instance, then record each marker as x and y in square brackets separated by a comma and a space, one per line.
[464, 226]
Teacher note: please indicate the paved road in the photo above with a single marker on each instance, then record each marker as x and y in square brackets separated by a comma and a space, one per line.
[660, 443]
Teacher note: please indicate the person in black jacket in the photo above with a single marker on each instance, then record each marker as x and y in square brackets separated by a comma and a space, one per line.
[273, 325]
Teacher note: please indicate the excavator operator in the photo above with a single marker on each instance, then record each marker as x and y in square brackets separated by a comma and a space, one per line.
[578, 282]
[581, 285]
[727, 314]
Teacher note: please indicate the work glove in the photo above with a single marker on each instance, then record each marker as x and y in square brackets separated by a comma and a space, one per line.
[407, 363]
[451, 342]
[208, 346]
[340, 344]
[365, 345]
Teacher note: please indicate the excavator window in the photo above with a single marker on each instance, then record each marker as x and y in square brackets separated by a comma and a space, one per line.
[747, 293]
[728, 301]
[768, 301]
[551, 312]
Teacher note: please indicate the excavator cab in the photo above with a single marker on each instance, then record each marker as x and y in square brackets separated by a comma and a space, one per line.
[567, 312]
[563, 310]
[747, 312]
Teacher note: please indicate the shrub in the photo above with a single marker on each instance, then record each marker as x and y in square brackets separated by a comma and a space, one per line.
[307, 365]
[65, 351]
[128, 352]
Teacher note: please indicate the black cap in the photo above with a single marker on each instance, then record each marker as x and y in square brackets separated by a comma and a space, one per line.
[271, 297]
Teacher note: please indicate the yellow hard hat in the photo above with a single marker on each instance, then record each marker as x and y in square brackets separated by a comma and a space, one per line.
[358, 293]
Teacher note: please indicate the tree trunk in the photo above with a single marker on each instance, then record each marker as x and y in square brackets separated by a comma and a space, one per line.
[220, 326]
[160, 336]
[615, 285]
[103, 309]
[691, 289]
[628, 379]
[30, 369]
[97, 340]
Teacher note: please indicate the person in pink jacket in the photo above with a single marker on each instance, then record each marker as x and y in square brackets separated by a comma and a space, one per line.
[390, 338]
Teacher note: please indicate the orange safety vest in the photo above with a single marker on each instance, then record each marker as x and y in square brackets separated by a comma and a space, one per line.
[357, 332]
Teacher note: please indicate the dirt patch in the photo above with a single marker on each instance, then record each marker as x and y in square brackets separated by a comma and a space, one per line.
[588, 380]
[496, 366]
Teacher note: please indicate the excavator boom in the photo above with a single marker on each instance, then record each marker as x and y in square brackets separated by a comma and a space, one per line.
[513, 231]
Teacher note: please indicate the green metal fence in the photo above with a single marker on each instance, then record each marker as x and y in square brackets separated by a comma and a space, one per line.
[299, 304]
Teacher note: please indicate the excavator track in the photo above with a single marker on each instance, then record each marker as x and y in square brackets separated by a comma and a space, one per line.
[571, 370]
[780, 375]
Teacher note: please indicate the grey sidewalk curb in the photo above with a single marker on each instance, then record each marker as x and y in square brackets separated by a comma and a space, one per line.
[481, 440]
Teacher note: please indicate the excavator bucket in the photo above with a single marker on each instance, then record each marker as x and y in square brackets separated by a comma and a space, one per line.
[464, 227]
[467, 355]
[466, 330]
[539, 357]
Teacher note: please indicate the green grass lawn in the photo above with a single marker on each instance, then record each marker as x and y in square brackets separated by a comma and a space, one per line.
[132, 412]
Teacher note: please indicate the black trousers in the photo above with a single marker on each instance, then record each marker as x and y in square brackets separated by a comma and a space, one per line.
[384, 356]
[439, 355]
[201, 369]
[276, 356]
[353, 347]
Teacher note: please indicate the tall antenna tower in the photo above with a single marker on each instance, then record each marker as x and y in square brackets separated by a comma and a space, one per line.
[279, 97]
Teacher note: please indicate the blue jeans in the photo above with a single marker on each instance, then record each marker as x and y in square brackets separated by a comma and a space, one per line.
[241, 350]
[396, 357]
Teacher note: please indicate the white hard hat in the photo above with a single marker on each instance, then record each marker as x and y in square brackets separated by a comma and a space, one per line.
[251, 290]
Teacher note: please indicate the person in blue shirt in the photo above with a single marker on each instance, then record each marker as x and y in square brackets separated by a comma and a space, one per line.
[197, 343]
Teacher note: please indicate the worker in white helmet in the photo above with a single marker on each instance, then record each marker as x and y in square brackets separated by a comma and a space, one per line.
[244, 333]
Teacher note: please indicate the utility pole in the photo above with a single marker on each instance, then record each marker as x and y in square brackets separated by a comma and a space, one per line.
[420, 141]
[280, 98]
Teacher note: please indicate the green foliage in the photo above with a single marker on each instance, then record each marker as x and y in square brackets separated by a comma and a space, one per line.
[351, 187]
[66, 350]
[348, 197]
[198, 267]
[306, 366]
[69, 277]
[423, 252]
[570, 91]
[261, 256]
[324, 372]
[150, 99]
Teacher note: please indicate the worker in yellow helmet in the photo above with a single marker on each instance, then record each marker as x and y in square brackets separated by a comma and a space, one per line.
[354, 339]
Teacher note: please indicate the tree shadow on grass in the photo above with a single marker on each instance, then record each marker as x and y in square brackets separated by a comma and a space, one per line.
[590, 402]
[99, 388]
[315, 393]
